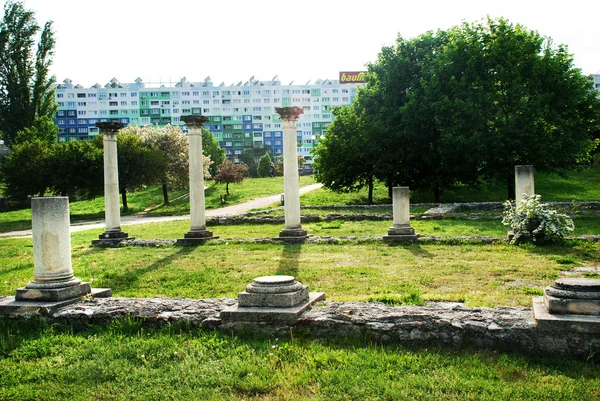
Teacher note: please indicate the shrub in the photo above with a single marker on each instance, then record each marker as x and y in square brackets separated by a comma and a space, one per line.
[531, 221]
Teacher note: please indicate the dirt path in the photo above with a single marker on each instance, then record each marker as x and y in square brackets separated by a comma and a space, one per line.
[140, 219]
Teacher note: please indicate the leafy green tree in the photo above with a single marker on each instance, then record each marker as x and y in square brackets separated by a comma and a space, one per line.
[343, 159]
[506, 96]
[24, 171]
[76, 169]
[43, 129]
[251, 157]
[139, 165]
[230, 173]
[211, 148]
[265, 166]
[26, 91]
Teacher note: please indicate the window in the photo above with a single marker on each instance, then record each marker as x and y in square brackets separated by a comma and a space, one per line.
[205, 93]
[80, 95]
[60, 95]
[133, 94]
[185, 93]
[91, 95]
[81, 113]
[256, 108]
[80, 103]
[196, 93]
[124, 103]
[113, 103]
[134, 103]
[70, 104]
[258, 134]
[154, 103]
[277, 143]
[228, 143]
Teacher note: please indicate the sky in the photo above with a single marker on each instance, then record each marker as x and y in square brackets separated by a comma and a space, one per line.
[230, 41]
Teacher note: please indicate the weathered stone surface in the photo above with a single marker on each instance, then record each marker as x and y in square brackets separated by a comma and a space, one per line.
[276, 300]
[277, 315]
[578, 296]
[438, 324]
[563, 322]
[53, 294]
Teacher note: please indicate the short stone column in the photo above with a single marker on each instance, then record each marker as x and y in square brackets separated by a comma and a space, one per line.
[524, 182]
[198, 233]
[293, 231]
[272, 299]
[401, 229]
[53, 278]
[570, 304]
[112, 207]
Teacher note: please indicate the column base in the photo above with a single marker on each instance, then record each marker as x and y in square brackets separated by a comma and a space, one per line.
[11, 306]
[400, 234]
[292, 235]
[111, 238]
[53, 294]
[196, 237]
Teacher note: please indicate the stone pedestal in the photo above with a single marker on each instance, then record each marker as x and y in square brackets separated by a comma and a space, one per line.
[53, 279]
[401, 230]
[293, 231]
[113, 234]
[198, 233]
[524, 182]
[272, 298]
[570, 304]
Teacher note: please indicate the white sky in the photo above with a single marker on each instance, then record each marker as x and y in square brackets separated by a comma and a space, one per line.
[300, 40]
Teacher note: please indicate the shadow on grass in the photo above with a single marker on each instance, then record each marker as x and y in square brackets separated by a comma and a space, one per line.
[290, 260]
[128, 279]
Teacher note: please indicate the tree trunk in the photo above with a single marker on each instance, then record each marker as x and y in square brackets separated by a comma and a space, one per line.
[390, 185]
[370, 196]
[124, 197]
[437, 194]
[165, 193]
[510, 183]
[227, 188]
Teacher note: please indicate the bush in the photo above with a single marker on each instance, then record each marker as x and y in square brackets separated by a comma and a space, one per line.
[531, 221]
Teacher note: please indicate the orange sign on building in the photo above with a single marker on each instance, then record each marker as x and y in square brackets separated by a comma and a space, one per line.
[353, 77]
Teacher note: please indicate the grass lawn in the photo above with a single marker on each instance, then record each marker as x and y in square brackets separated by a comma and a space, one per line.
[124, 361]
[151, 197]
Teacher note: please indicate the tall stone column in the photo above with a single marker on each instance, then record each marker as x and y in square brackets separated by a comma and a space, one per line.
[53, 278]
[112, 208]
[401, 229]
[198, 233]
[293, 231]
[524, 182]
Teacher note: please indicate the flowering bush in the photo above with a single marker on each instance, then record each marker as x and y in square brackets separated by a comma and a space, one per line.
[531, 221]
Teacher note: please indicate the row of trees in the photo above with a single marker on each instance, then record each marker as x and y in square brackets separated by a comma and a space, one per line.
[149, 155]
[462, 105]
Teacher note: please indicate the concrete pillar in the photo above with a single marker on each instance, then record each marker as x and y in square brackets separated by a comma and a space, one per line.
[198, 233]
[401, 229]
[524, 182]
[53, 278]
[293, 230]
[112, 207]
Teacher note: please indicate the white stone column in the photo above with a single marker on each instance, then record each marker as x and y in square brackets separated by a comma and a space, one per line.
[112, 207]
[401, 229]
[291, 186]
[53, 278]
[198, 233]
[197, 203]
[524, 181]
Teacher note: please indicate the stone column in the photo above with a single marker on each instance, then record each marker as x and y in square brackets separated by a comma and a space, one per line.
[401, 229]
[524, 182]
[112, 208]
[53, 278]
[293, 231]
[198, 233]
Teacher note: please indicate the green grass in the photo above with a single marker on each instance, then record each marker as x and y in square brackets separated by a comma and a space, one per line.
[151, 198]
[579, 185]
[125, 361]
[480, 275]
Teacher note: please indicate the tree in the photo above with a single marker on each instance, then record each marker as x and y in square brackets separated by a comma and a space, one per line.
[211, 148]
[139, 165]
[76, 169]
[26, 91]
[230, 172]
[251, 157]
[265, 166]
[343, 158]
[506, 96]
[172, 143]
[25, 171]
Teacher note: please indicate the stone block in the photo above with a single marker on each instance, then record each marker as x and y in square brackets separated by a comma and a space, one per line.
[563, 322]
[239, 313]
[275, 300]
[400, 238]
[53, 294]
[579, 296]
[11, 306]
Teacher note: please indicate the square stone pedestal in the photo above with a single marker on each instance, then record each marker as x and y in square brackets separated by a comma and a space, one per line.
[401, 234]
[111, 238]
[10, 305]
[292, 235]
[270, 314]
[195, 237]
[563, 321]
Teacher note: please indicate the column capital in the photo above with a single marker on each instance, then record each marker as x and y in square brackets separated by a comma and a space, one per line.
[110, 127]
[289, 114]
[194, 121]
